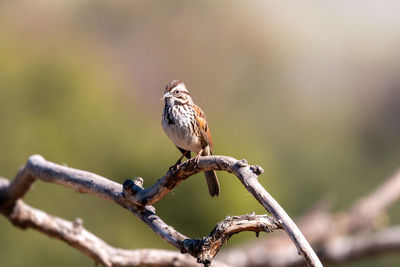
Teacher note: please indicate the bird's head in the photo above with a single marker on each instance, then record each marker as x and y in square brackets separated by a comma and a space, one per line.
[176, 93]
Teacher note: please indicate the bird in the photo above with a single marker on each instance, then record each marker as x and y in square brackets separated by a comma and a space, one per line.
[186, 125]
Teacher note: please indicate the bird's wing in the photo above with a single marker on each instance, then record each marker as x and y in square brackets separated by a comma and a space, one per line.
[204, 129]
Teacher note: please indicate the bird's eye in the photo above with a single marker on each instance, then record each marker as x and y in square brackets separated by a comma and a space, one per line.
[177, 92]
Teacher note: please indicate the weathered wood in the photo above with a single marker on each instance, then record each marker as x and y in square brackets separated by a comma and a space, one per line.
[203, 249]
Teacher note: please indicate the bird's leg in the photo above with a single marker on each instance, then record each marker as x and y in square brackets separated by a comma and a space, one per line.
[175, 166]
[197, 157]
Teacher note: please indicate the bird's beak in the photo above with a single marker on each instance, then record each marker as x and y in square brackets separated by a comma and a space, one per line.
[166, 95]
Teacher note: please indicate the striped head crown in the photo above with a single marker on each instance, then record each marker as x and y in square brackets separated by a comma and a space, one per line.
[176, 93]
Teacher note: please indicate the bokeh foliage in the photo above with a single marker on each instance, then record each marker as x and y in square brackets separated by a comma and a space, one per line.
[313, 98]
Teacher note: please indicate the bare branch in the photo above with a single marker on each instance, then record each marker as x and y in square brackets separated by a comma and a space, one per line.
[74, 234]
[209, 246]
[345, 248]
[332, 233]
[247, 174]
[363, 212]
[85, 182]
[326, 230]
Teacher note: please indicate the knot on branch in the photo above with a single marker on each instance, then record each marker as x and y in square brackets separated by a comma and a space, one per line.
[200, 249]
[242, 163]
[205, 249]
[132, 187]
[78, 225]
[256, 169]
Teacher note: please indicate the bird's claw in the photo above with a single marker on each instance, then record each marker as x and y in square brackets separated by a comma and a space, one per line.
[197, 160]
[175, 166]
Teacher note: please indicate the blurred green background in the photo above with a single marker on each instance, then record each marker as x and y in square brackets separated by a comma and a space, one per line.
[309, 90]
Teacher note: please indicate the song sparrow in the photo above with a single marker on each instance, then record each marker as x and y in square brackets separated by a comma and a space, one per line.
[186, 125]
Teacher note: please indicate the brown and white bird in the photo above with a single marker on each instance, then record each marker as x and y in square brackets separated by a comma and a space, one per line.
[186, 125]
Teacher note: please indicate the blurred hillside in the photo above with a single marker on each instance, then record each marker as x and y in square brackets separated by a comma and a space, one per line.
[309, 91]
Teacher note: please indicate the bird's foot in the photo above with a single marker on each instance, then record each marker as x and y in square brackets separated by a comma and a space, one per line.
[175, 166]
[197, 160]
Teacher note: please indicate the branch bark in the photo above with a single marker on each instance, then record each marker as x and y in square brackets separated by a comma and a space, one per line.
[247, 174]
[330, 233]
[74, 234]
[337, 237]
[363, 213]
[345, 248]
[203, 249]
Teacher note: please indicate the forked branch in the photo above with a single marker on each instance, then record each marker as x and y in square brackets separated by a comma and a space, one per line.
[138, 200]
[247, 174]
[74, 234]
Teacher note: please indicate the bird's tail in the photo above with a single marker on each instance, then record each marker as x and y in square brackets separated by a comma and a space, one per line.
[212, 182]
